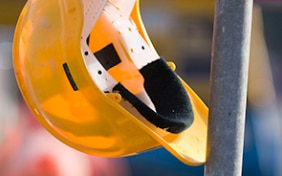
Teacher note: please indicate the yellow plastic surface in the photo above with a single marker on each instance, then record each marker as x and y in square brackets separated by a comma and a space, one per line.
[47, 36]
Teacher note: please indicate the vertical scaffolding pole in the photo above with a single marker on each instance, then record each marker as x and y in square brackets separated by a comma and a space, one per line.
[229, 75]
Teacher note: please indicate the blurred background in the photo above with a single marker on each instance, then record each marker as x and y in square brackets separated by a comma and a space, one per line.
[181, 31]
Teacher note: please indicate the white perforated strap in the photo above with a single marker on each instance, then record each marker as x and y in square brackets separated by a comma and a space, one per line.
[136, 47]
[92, 11]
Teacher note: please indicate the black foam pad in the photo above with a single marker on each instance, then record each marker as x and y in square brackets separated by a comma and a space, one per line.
[172, 103]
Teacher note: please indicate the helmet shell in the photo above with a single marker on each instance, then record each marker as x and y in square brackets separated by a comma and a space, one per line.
[47, 37]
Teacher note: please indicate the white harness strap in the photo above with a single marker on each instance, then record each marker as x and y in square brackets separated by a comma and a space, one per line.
[136, 47]
[117, 11]
[92, 11]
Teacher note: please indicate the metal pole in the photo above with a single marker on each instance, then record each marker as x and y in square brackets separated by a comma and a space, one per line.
[229, 75]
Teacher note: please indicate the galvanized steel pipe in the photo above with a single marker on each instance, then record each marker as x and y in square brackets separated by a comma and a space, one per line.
[228, 91]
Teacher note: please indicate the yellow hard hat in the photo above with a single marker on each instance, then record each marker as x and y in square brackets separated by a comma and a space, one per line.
[92, 78]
